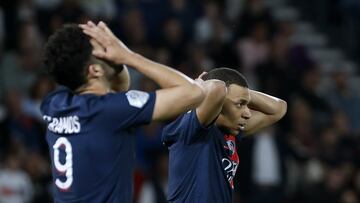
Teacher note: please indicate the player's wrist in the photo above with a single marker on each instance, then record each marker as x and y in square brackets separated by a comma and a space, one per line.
[127, 59]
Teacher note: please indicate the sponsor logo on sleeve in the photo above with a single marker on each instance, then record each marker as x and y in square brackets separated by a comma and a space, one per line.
[137, 98]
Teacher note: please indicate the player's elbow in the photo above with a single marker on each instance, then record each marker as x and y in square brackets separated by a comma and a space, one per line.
[281, 109]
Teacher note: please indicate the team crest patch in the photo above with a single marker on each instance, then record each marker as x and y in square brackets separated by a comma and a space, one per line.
[137, 98]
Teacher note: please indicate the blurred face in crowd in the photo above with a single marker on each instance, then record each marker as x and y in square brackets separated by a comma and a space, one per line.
[349, 196]
[173, 31]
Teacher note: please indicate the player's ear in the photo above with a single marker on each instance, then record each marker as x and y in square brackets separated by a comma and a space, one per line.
[95, 71]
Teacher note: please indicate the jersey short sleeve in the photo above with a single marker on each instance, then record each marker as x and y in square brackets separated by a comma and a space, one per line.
[129, 109]
[186, 129]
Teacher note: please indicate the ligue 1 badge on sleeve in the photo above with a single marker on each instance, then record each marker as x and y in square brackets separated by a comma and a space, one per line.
[137, 98]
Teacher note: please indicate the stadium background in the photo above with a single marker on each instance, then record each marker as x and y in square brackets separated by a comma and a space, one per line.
[305, 52]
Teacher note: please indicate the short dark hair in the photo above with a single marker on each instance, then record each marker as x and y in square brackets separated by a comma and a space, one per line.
[229, 76]
[67, 55]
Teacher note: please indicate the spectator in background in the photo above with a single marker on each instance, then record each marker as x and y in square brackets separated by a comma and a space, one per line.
[253, 13]
[174, 40]
[212, 32]
[343, 97]
[262, 176]
[148, 138]
[301, 139]
[15, 184]
[275, 74]
[5, 140]
[330, 189]
[135, 34]
[104, 9]
[185, 13]
[350, 10]
[2, 30]
[45, 10]
[37, 167]
[197, 61]
[337, 148]
[356, 182]
[349, 196]
[18, 68]
[233, 9]
[22, 128]
[205, 25]
[308, 91]
[39, 89]
[253, 50]
[154, 190]
[68, 11]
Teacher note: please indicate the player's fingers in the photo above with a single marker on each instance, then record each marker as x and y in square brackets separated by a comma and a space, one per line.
[96, 35]
[90, 34]
[86, 27]
[102, 35]
[202, 74]
[105, 28]
[90, 26]
[82, 26]
[96, 45]
[91, 23]
[99, 53]
[107, 33]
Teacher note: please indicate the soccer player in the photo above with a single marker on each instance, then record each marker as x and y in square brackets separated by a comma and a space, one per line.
[89, 129]
[203, 157]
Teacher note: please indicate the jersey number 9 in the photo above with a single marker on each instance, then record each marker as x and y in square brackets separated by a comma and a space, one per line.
[66, 168]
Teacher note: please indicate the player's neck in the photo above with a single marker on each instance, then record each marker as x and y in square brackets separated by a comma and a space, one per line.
[221, 125]
[97, 87]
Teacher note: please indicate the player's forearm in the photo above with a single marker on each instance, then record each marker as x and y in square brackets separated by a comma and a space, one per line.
[266, 104]
[121, 81]
[163, 75]
[186, 97]
[215, 93]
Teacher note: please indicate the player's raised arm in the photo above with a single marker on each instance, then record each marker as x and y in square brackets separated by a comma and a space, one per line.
[210, 107]
[265, 110]
[183, 94]
[115, 51]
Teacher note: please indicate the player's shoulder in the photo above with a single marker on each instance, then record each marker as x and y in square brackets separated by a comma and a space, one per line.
[59, 93]
[181, 119]
[186, 128]
[175, 126]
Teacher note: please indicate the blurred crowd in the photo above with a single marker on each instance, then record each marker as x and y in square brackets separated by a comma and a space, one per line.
[311, 156]
[338, 18]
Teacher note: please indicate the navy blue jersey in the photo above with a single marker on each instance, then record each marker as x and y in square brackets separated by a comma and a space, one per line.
[91, 144]
[203, 161]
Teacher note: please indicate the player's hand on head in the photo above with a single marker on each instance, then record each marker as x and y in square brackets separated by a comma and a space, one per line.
[112, 49]
[200, 77]
[200, 82]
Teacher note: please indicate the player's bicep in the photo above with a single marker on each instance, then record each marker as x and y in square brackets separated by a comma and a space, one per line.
[173, 101]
